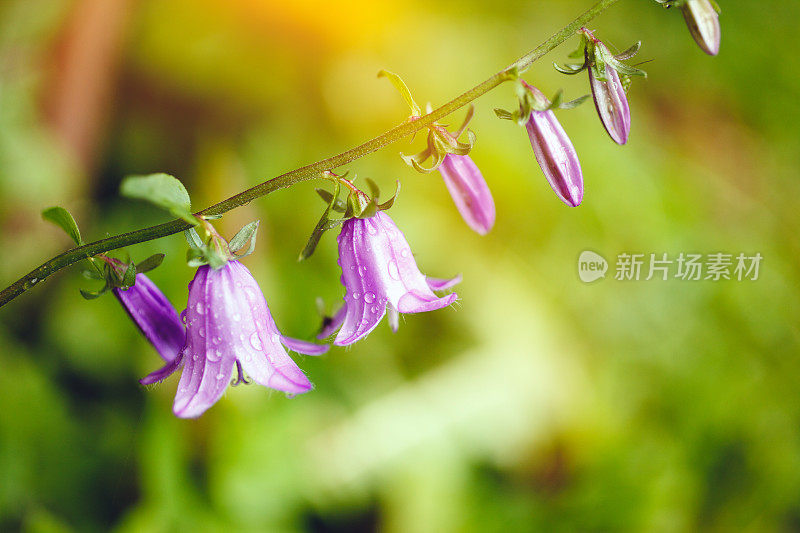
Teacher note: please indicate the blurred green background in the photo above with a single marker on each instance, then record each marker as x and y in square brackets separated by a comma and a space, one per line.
[540, 404]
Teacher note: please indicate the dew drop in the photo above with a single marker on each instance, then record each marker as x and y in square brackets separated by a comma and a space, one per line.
[404, 252]
[199, 308]
[194, 357]
[220, 375]
[369, 297]
[372, 229]
[394, 271]
[255, 342]
[202, 333]
[214, 356]
[276, 338]
[356, 295]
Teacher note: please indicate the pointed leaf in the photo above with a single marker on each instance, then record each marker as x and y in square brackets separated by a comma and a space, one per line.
[401, 86]
[162, 190]
[63, 219]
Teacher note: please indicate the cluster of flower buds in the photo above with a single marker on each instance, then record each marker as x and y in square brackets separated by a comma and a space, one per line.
[702, 19]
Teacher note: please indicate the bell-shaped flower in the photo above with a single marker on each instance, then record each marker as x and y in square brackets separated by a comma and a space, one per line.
[554, 152]
[611, 101]
[702, 20]
[154, 315]
[469, 191]
[228, 325]
[379, 271]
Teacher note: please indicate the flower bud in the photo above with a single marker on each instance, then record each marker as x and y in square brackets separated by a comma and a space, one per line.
[703, 22]
[611, 102]
[469, 191]
[555, 153]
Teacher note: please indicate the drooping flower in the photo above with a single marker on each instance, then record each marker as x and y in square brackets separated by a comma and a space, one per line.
[154, 315]
[229, 325]
[469, 191]
[379, 271]
[554, 152]
[610, 100]
[703, 23]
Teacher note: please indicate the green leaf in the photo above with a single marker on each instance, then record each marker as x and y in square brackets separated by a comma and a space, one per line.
[401, 86]
[247, 233]
[163, 190]
[150, 263]
[63, 219]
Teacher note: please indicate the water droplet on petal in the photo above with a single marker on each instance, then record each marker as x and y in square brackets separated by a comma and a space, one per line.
[369, 297]
[255, 342]
[276, 337]
[356, 295]
[201, 332]
[200, 308]
[404, 252]
[220, 375]
[394, 271]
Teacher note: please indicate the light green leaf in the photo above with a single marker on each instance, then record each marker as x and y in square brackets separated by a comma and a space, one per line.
[63, 219]
[162, 190]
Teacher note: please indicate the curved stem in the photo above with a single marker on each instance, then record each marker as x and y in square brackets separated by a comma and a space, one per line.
[309, 172]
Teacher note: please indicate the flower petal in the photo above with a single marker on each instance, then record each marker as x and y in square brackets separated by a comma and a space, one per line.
[304, 347]
[469, 191]
[202, 383]
[259, 349]
[414, 302]
[163, 372]
[154, 315]
[360, 259]
[330, 325]
[440, 284]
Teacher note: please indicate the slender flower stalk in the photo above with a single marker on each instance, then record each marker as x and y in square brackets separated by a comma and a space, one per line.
[703, 23]
[154, 316]
[229, 327]
[379, 271]
[309, 172]
[555, 153]
[469, 191]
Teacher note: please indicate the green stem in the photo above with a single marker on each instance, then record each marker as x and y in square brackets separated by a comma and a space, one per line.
[309, 172]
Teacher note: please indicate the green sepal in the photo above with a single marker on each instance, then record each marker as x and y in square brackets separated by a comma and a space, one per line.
[629, 53]
[162, 190]
[390, 202]
[570, 69]
[193, 238]
[243, 236]
[374, 190]
[327, 197]
[401, 86]
[64, 220]
[324, 223]
[150, 263]
[129, 278]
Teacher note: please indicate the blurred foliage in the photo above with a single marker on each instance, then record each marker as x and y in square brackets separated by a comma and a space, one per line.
[539, 404]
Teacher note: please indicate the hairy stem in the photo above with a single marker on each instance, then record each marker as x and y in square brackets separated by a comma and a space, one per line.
[309, 172]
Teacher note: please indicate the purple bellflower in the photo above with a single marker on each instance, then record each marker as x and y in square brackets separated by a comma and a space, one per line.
[379, 271]
[702, 20]
[555, 153]
[610, 101]
[469, 191]
[229, 325]
[154, 315]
